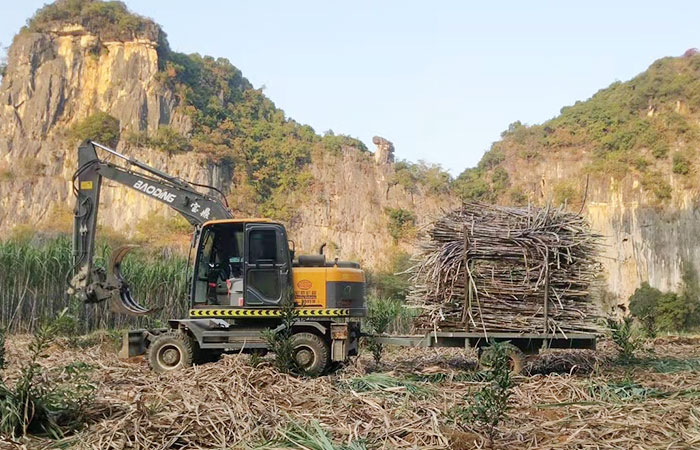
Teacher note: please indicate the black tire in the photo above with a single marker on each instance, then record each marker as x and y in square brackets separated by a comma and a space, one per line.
[170, 351]
[516, 358]
[311, 353]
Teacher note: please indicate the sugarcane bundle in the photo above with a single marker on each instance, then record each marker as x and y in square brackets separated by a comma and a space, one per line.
[494, 268]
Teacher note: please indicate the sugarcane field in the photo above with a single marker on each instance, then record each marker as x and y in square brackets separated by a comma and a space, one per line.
[480, 267]
[188, 261]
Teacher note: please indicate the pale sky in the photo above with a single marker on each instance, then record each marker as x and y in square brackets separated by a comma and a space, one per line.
[440, 79]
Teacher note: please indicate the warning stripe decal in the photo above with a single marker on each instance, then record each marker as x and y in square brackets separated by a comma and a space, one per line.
[304, 312]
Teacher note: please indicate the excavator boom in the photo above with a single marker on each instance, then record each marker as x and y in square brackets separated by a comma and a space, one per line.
[95, 284]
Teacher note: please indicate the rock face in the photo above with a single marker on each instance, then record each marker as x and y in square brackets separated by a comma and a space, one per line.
[385, 150]
[644, 239]
[55, 79]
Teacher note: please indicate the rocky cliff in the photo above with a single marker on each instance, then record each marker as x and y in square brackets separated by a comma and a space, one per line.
[626, 158]
[61, 73]
[645, 239]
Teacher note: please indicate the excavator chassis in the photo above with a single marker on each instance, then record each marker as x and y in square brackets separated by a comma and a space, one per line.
[245, 336]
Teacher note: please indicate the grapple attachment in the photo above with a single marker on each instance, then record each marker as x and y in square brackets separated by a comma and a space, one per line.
[123, 303]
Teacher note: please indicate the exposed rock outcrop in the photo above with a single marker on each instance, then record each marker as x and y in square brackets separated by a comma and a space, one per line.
[58, 78]
[385, 150]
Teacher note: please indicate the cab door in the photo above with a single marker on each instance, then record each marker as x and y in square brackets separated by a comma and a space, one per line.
[267, 265]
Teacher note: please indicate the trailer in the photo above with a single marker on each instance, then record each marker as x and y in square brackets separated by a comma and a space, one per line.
[518, 344]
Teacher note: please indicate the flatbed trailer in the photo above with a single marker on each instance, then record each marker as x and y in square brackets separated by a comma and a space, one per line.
[528, 343]
[519, 344]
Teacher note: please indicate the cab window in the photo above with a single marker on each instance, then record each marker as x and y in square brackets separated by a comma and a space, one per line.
[263, 246]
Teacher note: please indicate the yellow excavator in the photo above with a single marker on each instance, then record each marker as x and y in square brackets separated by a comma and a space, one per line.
[244, 271]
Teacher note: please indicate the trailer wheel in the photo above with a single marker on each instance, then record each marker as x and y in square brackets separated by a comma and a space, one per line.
[516, 358]
[311, 353]
[170, 351]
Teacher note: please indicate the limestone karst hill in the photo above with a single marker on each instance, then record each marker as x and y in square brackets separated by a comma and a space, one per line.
[90, 69]
[625, 157]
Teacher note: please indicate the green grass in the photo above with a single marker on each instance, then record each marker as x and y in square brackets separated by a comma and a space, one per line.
[310, 436]
[442, 377]
[672, 365]
[621, 391]
[383, 383]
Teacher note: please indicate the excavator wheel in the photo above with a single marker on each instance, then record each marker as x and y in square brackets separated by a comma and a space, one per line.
[516, 358]
[171, 351]
[311, 353]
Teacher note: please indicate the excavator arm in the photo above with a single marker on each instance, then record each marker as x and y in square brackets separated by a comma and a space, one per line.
[96, 284]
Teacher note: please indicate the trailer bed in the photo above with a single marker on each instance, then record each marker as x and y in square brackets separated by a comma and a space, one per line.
[529, 343]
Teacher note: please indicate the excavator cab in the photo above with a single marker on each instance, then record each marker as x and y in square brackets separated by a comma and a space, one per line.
[240, 263]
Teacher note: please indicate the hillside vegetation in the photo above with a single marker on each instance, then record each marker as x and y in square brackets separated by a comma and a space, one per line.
[231, 120]
[644, 127]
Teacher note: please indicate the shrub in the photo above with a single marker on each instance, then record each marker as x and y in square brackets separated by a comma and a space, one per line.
[491, 159]
[65, 324]
[654, 182]
[490, 404]
[471, 186]
[681, 165]
[392, 283]
[513, 128]
[401, 222]
[566, 193]
[404, 176]
[432, 176]
[41, 402]
[280, 342]
[518, 197]
[169, 140]
[643, 304]
[625, 338]
[99, 127]
[380, 315]
[668, 311]
[660, 150]
[673, 312]
[335, 143]
[500, 179]
[690, 290]
[108, 19]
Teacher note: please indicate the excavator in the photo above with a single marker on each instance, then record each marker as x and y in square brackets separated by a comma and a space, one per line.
[246, 278]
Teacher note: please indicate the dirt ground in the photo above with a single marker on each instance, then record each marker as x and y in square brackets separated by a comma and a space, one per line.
[406, 402]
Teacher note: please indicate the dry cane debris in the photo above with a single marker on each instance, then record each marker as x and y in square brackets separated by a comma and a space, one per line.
[511, 260]
[232, 404]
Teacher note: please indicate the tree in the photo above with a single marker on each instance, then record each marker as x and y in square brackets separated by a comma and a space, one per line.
[643, 304]
[100, 127]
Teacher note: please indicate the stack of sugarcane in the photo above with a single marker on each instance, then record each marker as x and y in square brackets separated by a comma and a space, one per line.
[493, 268]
